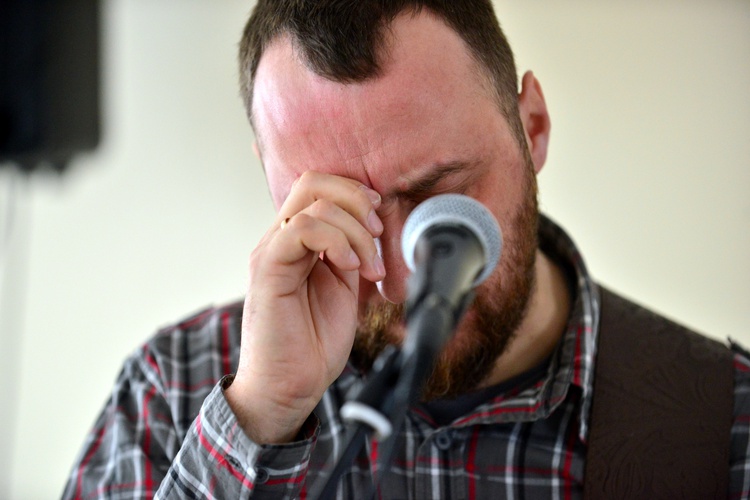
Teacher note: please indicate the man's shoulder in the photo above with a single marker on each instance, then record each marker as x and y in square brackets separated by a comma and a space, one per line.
[654, 355]
[620, 313]
[653, 329]
[656, 324]
[200, 331]
[194, 351]
[179, 365]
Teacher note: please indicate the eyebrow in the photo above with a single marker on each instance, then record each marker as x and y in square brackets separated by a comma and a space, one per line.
[426, 184]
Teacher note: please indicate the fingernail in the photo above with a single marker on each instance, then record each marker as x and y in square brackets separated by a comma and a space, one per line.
[372, 194]
[374, 222]
[378, 263]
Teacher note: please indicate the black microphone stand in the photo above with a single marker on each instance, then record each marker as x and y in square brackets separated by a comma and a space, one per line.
[380, 405]
[370, 404]
[429, 328]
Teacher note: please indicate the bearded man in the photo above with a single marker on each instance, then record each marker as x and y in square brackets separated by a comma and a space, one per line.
[361, 111]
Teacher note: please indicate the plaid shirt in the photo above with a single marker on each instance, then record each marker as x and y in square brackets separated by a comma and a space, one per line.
[167, 430]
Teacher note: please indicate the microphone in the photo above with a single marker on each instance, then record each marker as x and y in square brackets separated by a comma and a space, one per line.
[451, 243]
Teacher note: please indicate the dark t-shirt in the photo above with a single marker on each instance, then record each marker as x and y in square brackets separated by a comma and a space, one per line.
[445, 411]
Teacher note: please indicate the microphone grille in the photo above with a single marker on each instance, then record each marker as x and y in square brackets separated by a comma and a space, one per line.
[456, 210]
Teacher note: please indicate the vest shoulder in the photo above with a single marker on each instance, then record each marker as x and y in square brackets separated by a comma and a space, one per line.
[620, 312]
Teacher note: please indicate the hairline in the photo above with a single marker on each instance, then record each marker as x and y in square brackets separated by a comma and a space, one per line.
[486, 76]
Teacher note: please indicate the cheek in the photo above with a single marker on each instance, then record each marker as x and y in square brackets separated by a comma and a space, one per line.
[504, 193]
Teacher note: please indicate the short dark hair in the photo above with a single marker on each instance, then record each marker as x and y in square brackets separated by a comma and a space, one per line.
[343, 40]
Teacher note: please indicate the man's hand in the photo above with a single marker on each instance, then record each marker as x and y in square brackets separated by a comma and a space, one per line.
[300, 313]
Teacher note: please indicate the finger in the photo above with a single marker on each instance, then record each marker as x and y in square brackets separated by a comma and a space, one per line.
[353, 196]
[305, 235]
[361, 241]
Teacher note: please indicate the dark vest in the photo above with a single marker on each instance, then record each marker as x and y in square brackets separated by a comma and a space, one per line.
[662, 409]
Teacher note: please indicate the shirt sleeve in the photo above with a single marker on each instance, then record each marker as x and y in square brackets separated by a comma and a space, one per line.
[739, 471]
[135, 450]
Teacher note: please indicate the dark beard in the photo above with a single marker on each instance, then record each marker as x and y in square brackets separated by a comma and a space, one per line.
[498, 310]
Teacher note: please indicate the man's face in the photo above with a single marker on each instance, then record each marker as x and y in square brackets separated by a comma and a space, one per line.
[428, 125]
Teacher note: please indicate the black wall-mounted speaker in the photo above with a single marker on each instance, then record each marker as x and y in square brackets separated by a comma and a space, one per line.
[49, 81]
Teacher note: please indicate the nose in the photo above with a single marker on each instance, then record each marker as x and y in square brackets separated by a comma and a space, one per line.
[393, 286]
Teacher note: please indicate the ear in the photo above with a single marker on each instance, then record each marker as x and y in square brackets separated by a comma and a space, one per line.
[535, 119]
[256, 150]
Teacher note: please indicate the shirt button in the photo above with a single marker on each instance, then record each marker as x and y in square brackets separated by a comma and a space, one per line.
[444, 440]
[261, 475]
[235, 463]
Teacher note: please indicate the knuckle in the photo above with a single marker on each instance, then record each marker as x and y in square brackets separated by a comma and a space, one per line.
[322, 208]
[342, 241]
[362, 234]
[366, 204]
[300, 221]
[362, 200]
[307, 178]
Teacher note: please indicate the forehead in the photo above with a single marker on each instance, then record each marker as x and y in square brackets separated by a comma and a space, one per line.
[429, 87]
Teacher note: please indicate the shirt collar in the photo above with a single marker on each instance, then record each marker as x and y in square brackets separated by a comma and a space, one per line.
[572, 364]
[577, 350]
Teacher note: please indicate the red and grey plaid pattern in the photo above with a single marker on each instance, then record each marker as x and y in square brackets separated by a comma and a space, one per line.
[168, 432]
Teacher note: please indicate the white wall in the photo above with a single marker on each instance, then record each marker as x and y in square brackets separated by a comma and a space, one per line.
[648, 169]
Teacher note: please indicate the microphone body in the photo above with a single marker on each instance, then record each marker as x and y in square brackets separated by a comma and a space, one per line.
[448, 260]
